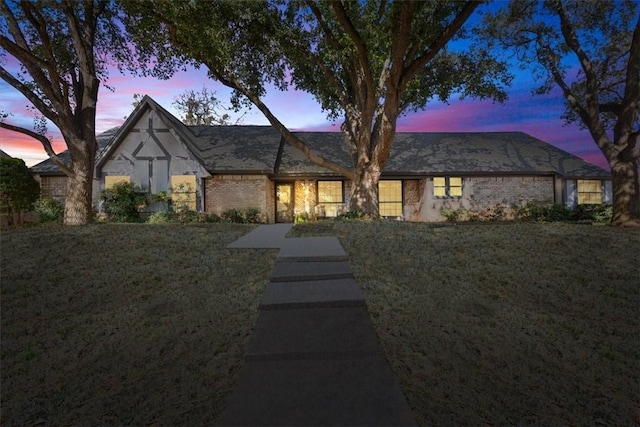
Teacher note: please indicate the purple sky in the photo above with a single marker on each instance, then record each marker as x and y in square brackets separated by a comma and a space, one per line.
[537, 115]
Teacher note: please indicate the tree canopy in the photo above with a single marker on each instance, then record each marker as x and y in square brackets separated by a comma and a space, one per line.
[591, 51]
[18, 189]
[64, 49]
[366, 63]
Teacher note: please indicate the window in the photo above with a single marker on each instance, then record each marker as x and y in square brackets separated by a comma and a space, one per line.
[390, 198]
[183, 191]
[447, 186]
[330, 196]
[589, 191]
[110, 180]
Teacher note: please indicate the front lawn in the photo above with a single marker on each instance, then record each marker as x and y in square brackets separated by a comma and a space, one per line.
[504, 324]
[496, 324]
[127, 324]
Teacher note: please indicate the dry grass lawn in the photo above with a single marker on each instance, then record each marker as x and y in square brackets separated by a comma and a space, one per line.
[125, 324]
[501, 324]
[504, 324]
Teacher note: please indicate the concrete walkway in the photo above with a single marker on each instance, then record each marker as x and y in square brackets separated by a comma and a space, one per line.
[314, 357]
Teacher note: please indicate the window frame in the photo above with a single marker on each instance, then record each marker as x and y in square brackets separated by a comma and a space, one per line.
[184, 198]
[399, 202]
[333, 205]
[589, 194]
[447, 187]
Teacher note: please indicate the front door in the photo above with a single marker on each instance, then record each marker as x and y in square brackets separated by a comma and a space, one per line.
[284, 202]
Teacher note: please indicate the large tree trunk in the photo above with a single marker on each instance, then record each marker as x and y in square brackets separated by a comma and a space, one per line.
[364, 190]
[78, 209]
[626, 192]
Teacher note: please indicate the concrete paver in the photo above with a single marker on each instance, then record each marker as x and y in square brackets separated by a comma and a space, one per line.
[313, 270]
[312, 332]
[312, 249]
[316, 293]
[346, 392]
[313, 357]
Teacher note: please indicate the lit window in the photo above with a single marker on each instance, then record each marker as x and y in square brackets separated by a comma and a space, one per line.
[330, 196]
[183, 191]
[447, 186]
[589, 191]
[390, 198]
[110, 180]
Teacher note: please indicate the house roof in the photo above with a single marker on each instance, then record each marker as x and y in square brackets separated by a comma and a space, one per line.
[48, 167]
[239, 149]
[424, 153]
[262, 150]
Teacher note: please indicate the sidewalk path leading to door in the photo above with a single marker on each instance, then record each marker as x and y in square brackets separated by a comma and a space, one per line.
[313, 357]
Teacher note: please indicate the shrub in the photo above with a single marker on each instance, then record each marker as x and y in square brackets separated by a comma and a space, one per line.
[301, 218]
[210, 218]
[122, 202]
[162, 217]
[186, 216]
[232, 215]
[351, 215]
[558, 212]
[18, 189]
[452, 215]
[251, 216]
[49, 210]
[532, 212]
[603, 214]
[242, 216]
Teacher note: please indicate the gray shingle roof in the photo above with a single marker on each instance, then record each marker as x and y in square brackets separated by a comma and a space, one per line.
[483, 152]
[48, 167]
[247, 149]
[261, 150]
[449, 153]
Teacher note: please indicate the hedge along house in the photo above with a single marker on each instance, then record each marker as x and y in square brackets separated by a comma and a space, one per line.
[215, 168]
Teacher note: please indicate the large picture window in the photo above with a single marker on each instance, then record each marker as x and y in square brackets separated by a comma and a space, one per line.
[449, 186]
[330, 196]
[390, 198]
[183, 191]
[589, 191]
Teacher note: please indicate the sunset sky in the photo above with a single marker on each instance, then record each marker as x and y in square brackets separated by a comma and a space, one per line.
[537, 115]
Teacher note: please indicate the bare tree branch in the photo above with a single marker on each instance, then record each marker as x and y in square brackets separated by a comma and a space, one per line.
[45, 143]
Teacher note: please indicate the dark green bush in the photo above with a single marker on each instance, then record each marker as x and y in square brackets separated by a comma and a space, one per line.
[49, 210]
[162, 217]
[233, 215]
[122, 202]
[251, 216]
[532, 212]
[452, 215]
[558, 212]
[241, 216]
[18, 189]
[211, 218]
[351, 215]
[603, 214]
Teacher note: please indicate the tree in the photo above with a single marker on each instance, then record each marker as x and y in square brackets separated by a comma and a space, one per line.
[367, 62]
[18, 189]
[591, 51]
[63, 48]
[202, 108]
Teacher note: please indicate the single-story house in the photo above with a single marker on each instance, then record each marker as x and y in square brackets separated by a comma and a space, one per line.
[215, 168]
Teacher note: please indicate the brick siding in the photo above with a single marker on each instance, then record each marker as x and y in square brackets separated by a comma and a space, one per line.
[224, 192]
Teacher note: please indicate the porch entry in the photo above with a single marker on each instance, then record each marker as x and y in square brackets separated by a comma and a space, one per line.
[284, 202]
